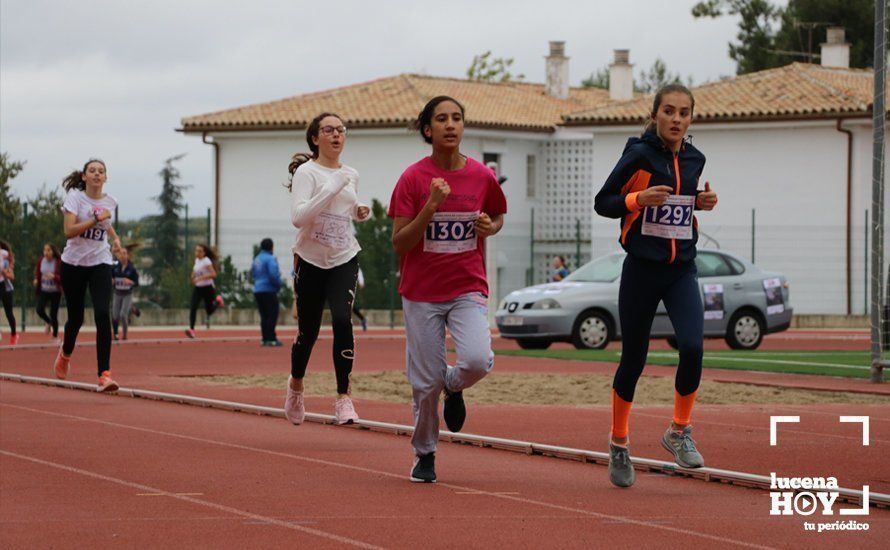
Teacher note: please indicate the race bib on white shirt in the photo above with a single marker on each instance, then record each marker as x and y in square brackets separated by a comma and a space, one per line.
[671, 220]
[451, 233]
[332, 230]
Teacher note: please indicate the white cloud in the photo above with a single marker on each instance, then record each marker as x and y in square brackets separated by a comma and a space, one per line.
[113, 79]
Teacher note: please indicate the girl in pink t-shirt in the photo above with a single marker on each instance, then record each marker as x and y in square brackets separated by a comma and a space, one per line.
[443, 207]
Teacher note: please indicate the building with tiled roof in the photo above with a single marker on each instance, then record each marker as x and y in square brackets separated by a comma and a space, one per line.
[393, 102]
[788, 151]
[798, 91]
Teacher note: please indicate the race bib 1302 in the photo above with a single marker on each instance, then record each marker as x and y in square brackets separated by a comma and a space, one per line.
[451, 233]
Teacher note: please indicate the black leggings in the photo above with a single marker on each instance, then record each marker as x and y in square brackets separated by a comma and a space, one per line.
[643, 285]
[6, 299]
[313, 285]
[206, 293]
[53, 298]
[75, 281]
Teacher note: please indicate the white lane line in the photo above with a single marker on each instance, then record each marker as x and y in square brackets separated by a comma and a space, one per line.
[192, 500]
[776, 361]
[391, 475]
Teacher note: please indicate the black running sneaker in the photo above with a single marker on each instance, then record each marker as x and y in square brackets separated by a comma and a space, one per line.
[424, 470]
[455, 411]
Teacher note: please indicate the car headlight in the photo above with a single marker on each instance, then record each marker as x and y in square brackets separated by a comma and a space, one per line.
[547, 303]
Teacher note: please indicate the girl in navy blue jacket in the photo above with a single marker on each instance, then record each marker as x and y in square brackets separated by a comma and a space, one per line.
[653, 190]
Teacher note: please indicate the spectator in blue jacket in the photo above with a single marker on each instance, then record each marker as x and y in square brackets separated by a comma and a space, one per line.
[266, 284]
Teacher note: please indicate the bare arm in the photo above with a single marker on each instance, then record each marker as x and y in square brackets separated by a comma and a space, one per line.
[115, 240]
[73, 229]
[407, 232]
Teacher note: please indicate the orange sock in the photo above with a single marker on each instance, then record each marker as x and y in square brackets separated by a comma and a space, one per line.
[683, 408]
[620, 415]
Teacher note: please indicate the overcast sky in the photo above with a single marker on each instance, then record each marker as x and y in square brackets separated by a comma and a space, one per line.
[112, 79]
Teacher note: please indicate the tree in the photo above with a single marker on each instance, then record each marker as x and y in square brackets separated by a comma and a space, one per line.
[168, 264]
[598, 79]
[487, 69]
[801, 28]
[377, 259]
[800, 16]
[10, 205]
[755, 47]
[647, 82]
[658, 76]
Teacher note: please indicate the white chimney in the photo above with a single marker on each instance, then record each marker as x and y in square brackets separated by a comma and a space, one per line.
[621, 77]
[835, 51]
[557, 71]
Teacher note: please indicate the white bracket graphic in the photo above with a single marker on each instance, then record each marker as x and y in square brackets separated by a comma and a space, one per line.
[774, 420]
[862, 420]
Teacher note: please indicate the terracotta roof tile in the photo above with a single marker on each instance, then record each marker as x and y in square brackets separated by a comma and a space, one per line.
[798, 90]
[395, 101]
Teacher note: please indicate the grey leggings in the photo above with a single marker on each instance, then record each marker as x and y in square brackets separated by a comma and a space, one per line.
[120, 311]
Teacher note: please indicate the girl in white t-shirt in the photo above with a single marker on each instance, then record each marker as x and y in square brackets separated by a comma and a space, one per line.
[7, 274]
[203, 274]
[325, 203]
[86, 264]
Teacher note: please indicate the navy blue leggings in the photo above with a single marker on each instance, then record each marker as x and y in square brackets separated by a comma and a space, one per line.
[643, 285]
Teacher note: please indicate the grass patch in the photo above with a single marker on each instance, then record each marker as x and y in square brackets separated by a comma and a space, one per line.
[848, 364]
[551, 389]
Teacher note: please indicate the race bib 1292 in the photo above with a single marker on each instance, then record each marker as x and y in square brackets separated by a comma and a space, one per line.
[671, 220]
[451, 233]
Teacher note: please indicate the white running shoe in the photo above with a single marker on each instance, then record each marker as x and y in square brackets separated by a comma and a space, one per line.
[344, 411]
[294, 409]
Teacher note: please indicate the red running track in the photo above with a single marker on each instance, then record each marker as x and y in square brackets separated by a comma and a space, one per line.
[91, 470]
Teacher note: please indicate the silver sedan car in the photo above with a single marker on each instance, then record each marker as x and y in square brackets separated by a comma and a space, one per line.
[742, 303]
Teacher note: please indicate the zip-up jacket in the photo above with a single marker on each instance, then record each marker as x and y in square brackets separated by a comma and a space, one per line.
[266, 273]
[647, 162]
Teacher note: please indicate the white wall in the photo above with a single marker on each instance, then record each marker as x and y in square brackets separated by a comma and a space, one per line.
[794, 175]
[253, 203]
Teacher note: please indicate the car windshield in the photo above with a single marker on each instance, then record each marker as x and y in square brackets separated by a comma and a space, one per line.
[601, 270]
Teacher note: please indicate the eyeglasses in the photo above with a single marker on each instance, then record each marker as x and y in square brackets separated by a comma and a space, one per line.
[329, 130]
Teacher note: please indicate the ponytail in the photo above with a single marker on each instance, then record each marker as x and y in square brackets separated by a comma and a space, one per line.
[74, 180]
[295, 162]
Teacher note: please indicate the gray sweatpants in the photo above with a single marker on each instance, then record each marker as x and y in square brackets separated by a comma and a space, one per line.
[120, 311]
[467, 319]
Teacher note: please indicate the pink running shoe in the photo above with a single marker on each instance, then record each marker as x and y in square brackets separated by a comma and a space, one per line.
[294, 409]
[219, 300]
[106, 384]
[344, 411]
[62, 365]
[190, 332]
[14, 339]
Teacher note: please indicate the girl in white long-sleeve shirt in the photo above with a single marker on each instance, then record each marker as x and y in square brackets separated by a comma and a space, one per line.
[325, 203]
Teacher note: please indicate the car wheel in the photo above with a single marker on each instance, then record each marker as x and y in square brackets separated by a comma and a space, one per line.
[533, 344]
[672, 342]
[593, 330]
[745, 330]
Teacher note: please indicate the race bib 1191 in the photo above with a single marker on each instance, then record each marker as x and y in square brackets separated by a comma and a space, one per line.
[671, 220]
[451, 233]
